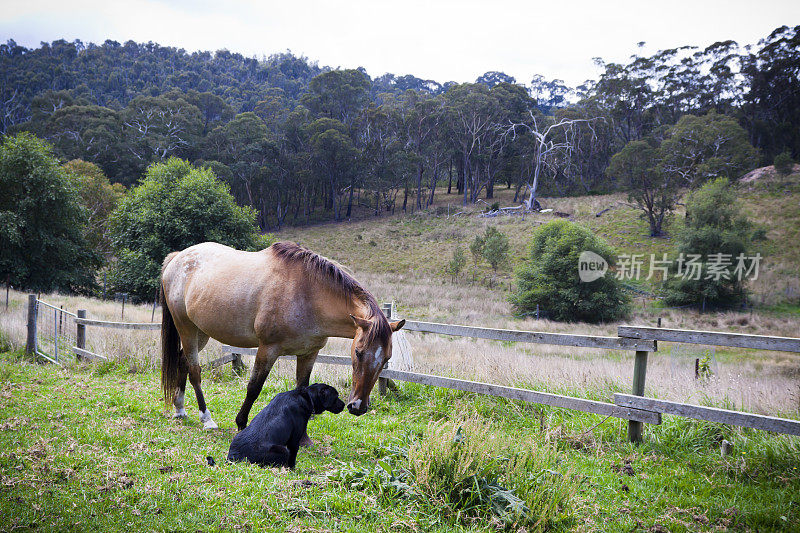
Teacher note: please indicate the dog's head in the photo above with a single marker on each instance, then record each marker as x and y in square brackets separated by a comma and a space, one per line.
[325, 398]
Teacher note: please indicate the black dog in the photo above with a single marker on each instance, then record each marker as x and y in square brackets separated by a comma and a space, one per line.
[273, 437]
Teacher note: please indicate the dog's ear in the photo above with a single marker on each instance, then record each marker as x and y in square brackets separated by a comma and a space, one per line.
[331, 395]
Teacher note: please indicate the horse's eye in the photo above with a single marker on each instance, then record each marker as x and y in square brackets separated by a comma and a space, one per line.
[359, 353]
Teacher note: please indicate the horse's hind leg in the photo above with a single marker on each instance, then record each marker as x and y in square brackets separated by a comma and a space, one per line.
[180, 394]
[198, 340]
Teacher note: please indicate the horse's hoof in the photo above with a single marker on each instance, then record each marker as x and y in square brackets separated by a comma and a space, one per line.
[179, 414]
[306, 441]
[208, 422]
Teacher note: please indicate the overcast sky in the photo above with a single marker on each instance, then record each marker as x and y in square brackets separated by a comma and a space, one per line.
[454, 40]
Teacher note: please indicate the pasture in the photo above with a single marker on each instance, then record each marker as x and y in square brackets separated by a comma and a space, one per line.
[90, 446]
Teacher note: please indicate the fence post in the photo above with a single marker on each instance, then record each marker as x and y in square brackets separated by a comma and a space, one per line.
[383, 382]
[639, 373]
[30, 345]
[80, 334]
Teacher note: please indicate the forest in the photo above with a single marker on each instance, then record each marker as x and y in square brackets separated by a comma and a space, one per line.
[302, 143]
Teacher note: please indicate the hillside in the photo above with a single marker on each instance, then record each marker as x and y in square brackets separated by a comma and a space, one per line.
[419, 245]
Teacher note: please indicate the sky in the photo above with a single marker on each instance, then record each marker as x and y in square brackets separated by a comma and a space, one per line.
[448, 40]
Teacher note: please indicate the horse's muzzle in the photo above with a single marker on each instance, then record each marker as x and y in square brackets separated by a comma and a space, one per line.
[357, 407]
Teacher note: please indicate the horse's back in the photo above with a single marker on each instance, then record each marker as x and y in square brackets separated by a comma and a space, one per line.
[218, 289]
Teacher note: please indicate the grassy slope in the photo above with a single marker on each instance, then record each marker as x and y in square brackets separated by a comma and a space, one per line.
[422, 243]
[91, 449]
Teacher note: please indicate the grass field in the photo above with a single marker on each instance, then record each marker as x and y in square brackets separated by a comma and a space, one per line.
[92, 448]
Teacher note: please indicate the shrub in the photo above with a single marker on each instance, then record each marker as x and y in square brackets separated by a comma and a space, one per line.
[714, 225]
[495, 248]
[784, 163]
[175, 206]
[549, 277]
[457, 263]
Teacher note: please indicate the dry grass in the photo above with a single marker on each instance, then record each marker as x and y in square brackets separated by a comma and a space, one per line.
[764, 382]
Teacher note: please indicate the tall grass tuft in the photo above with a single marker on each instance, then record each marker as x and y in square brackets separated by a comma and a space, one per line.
[462, 467]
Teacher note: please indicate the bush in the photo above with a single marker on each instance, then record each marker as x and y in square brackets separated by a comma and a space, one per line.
[43, 244]
[175, 206]
[456, 263]
[784, 163]
[495, 248]
[549, 277]
[714, 225]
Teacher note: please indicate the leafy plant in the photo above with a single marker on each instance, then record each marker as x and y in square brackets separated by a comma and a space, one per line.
[456, 263]
[549, 277]
[784, 164]
[42, 223]
[714, 225]
[176, 206]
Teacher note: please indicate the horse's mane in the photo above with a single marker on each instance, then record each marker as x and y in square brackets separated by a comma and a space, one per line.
[324, 270]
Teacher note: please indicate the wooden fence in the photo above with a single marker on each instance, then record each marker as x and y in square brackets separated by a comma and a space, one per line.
[634, 407]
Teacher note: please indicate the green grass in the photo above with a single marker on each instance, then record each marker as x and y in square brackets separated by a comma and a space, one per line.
[91, 448]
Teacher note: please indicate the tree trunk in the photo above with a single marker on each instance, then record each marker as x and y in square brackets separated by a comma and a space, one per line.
[450, 176]
[350, 201]
[420, 170]
[466, 172]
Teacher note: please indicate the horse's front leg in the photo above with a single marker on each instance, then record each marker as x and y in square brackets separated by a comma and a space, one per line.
[265, 358]
[304, 366]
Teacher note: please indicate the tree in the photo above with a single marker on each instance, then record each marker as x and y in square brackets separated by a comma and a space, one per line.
[698, 149]
[476, 249]
[713, 242]
[175, 206]
[98, 198]
[456, 264]
[42, 224]
[547, 148]
[655, 192]
[784, 163]
[549, 277]
[495, 248]
[771, 107]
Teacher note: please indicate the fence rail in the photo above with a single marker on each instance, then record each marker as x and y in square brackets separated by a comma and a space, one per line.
[634, 407]
[118, 325]
[712, 338]
[512, 335]
[512, 393]
[711, 414]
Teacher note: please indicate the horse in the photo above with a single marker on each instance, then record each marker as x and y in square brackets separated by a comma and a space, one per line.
[283, 300]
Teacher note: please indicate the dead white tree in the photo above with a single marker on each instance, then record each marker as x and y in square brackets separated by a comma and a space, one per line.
[547, 147]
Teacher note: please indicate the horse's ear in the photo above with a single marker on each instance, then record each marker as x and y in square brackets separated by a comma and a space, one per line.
[396, 326]
[361, 322]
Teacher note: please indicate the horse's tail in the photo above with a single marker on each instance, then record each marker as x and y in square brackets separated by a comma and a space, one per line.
[170, 346]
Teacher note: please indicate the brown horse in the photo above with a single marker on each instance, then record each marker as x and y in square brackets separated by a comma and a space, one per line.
[285, 300]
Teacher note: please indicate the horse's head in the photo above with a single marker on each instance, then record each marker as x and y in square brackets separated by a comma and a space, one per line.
[371, 349]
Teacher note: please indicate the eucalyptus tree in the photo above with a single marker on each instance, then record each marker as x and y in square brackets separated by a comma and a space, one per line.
[334, 160]
[245, 148]
[553, 142]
